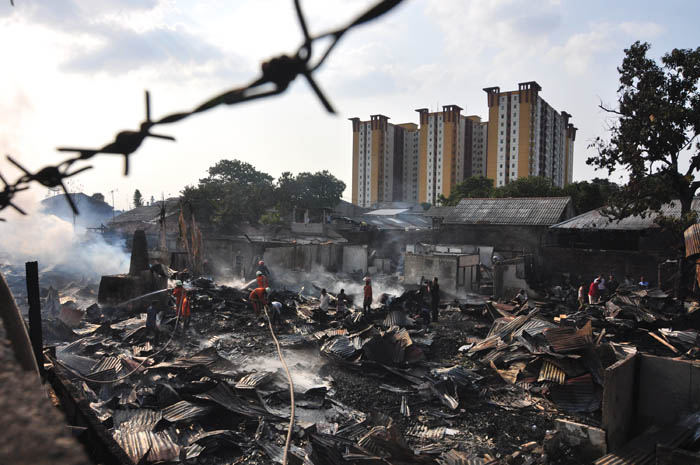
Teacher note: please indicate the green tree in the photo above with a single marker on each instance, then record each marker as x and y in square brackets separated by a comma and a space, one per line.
[308, 190]
[233, 192]
[138, 199]
[589, 195]
[471, 188]
[98, 196]
[654, 133]
[534, 186]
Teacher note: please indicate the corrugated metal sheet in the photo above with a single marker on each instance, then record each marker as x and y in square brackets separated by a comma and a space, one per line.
[455, 457]
[642, 449]
[340, 348]
[551, 372]
[136, 420]
[576, 395]
[569, 339]
[223, 395]
[397, 318]
[537, 211]
[183, 411]
[596, 220]
[422, 431]
[254, 380]
[159, 446]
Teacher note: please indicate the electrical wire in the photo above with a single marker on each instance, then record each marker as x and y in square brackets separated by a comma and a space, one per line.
[291, 389]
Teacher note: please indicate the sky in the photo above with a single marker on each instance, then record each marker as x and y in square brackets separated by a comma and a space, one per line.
[74, 74]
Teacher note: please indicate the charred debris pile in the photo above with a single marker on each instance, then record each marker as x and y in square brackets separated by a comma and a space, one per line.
[482, 386]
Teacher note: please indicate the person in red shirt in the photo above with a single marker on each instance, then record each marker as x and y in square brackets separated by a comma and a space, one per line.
[593, 292]
[258, 298]
[182, 304]
[367, 302]
[262, 280]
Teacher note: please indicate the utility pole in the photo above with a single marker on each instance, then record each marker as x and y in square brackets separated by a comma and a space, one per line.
[113, 206]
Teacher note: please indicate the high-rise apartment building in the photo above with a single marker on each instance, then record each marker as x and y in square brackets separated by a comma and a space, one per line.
[523, 137]
[527, 137]
[384, 161]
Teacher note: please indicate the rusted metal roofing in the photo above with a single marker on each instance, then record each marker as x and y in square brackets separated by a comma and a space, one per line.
[569, 339]
[136, 420]
[692, 240]
[422, 431]
[160, 446]
[595, 219]
[642, 449]
[551, 372]
[534, 211]
[223, 395]
[340, 348]
[576, 395]
[455, 457]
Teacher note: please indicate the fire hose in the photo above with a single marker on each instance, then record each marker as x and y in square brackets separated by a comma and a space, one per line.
[291, 389]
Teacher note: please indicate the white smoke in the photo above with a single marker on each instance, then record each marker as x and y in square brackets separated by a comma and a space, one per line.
[55, 244]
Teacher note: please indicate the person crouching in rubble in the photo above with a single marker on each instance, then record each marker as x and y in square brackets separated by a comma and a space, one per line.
[258, 298]
[367, 302]
[182, 304]
[275, 312]
[262, 280]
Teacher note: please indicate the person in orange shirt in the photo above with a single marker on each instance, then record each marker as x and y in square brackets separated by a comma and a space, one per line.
[182, 304]
[262, 280]
[258, 298]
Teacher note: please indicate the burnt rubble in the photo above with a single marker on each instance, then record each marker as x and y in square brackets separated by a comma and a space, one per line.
[484, 385]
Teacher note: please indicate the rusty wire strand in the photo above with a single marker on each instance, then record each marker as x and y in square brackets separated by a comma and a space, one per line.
[277, 74]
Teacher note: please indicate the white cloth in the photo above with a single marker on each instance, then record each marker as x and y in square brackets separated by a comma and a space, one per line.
[325, 300]
[277, 305]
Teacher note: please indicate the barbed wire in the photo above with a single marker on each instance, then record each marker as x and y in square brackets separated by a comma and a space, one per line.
[276, 76]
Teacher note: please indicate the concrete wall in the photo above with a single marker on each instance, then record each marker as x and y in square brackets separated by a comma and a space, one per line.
[306, 257]
[508, 240]
[430, 266]
[618, 401]
[589, 263]
[309, 228]
[509, 277]
[354, 258]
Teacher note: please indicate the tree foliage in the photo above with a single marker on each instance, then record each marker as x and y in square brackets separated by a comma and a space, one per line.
[235, 192]
[98, 196]
[471, 188]
[138, 199]
[654, 133]
[589, 195]
[534, 186]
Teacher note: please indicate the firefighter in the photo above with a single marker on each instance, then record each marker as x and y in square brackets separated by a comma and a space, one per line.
[262, 279]
[258, 298]
[182, 304]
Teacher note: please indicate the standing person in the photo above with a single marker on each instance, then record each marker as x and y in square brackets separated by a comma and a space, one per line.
[425, 315]
[581, 296]
[367, 302]
[325, 301]
[152, 322]
[340, 302]
[182, 302]
[434, 289]
[612, 285]
[262, 279]
[593, 292]
[602, 289]
[258, 298]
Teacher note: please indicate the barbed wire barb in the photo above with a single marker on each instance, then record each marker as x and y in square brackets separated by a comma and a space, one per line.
[277, 74]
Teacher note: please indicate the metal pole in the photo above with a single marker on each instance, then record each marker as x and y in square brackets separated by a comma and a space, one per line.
[35, 334]
[15, 328]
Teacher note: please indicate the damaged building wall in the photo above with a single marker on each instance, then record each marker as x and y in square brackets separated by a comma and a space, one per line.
[306, 257]
[587, 263]
[508, 240]
[429, 266]
[509, 276]
[354, 258]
